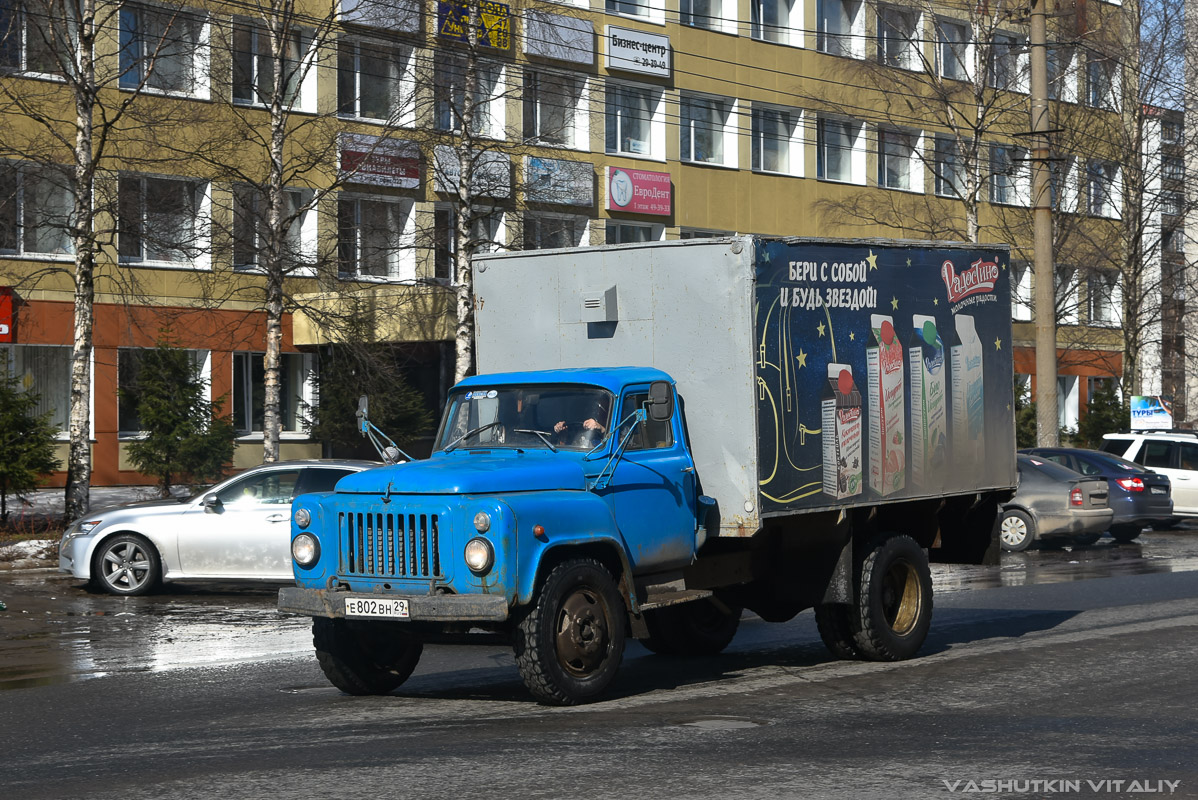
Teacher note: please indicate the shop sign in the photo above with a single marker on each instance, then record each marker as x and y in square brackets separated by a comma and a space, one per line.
[559, 37]
[638, 191]
[553, 180]
[494, 22]
[636, 51]
[1151, 413]
[401, 16]
[376, 161]
[491, 175]
[6, 320]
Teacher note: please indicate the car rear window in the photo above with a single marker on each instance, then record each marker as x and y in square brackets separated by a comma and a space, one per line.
[1116, 446]
[1052, 470]
[1110, 462]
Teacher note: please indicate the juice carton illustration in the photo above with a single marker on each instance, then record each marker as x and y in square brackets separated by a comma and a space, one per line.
[887, 408]
[929, 420]
[841, 407]
[969, 422]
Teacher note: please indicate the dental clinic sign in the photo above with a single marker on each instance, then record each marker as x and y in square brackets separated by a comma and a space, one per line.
[637, 51]
[6, 321]
[638, 191]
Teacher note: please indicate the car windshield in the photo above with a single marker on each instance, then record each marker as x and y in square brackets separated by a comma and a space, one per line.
[545, 416]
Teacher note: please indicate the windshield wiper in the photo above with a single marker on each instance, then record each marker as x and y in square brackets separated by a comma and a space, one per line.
[468, 434]
[542, 435]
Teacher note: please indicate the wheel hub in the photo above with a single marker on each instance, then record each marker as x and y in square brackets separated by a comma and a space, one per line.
[582, 633]
[902, 597]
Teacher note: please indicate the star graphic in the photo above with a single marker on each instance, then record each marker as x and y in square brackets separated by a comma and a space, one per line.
[872, 259]
[908, 262]
[802, 358]
[821, 329]
[998, 344]
[1003, 267]
[894, 303]
[1008, 406]
[852, 336]
[935, 301]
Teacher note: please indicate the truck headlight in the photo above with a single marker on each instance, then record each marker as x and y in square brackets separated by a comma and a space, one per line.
[482, 522]
[305, 549]
[303, 517]
[479, 555]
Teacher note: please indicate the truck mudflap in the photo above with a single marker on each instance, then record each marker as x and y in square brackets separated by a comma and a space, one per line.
[421, 608]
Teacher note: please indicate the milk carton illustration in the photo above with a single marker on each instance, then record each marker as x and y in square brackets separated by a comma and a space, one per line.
[965, 356]
[929, 420]
[887, 408]
[841, 407]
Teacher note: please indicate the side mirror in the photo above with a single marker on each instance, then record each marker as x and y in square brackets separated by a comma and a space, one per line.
[362, 414]
[211, 503]
[661, 401]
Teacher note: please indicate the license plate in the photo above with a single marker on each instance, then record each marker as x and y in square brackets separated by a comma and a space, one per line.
[1157, 489]
[392, 608]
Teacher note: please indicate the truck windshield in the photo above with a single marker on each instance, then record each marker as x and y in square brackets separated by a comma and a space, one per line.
[557, 417]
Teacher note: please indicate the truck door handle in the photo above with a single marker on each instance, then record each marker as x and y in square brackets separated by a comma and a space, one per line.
[279, 518]
[688, 469]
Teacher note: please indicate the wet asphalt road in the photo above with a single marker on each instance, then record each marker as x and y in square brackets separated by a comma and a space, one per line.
[1069, 665]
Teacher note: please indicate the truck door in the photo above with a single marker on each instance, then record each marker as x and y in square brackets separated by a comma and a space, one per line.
[654, 489]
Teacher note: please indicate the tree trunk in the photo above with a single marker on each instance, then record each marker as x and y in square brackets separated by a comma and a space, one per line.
[275, 269]
[464, 336]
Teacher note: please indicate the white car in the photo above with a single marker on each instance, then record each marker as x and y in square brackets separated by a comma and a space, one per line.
[236, 530]
[1174, 453]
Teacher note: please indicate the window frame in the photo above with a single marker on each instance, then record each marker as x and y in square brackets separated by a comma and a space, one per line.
[1008, 64]
[401, 262]
[402, 101]
[962, 51]
[534, 238]
[490, 96]
[242, 366]
[847, 43]
[577, 129]
[15, 181]
[721, 126]
[302, 231]
[856, 149]
[133, 76]
[791, 121]
[908, 40]
[914, 146]
[655, 134]
[783, 29]
[199, 217]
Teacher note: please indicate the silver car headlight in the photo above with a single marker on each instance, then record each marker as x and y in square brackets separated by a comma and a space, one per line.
[81, 528]
[305, 549]
[479, 555]
[303, 517]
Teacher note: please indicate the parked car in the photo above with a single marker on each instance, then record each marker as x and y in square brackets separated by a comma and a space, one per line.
[1052, 503]
[1171, 453]
[1138, 495]
[236, 530]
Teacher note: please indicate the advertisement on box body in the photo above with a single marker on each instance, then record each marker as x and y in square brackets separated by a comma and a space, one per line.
[896, 354]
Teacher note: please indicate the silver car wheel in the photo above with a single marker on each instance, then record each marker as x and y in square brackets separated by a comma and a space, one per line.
[127, 566]
[1014, 532]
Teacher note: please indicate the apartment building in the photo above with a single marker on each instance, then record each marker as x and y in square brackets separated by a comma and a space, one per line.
[592, 121]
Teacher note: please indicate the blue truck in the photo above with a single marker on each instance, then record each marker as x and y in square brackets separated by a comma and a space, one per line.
[664, 436]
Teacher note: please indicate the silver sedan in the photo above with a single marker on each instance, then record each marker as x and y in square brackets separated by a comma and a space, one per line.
[236, 530]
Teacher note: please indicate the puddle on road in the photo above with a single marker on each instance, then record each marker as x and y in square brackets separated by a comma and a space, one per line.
[720, 723]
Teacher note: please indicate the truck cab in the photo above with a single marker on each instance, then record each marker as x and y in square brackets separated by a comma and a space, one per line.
[578, 483]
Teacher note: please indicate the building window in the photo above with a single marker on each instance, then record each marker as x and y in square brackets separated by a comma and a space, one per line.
[553, 103]
[1171, 131]
[710, 15]
[1022, 299]
[771, 21]
[838, 150]
[950, 168]
[952, 49]
[129, 365]
[373, 240]
[548, 231]
[1066, 295]
[163, 49]
[296, 382]
[1103, 298]
[692, 233]
[630, 232]
[1062, 75]
[1067, 402]
[254, 66]
[1101, 83]
[1063, 184]
[374, 81]
[1102, 184]
[449, 96]
[898, 160]
[36, 206]
[1173, 240]
[45, 371]
[1173, 168]
[839, 28]
[250, 230]
[41, 41]
[702, 130]
[1008, 175]
[1172, 203]
[632, 114]
[1008, 63]
[777, 146]
[160, 219]
[631, 8]
[486, 236]
[898, 37]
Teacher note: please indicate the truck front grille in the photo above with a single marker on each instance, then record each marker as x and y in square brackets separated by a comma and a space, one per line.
[390, 544]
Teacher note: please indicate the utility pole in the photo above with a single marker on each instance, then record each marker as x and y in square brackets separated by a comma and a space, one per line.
[1047, 430]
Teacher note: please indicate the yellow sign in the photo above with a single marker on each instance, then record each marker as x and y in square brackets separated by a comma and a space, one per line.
[494, 22]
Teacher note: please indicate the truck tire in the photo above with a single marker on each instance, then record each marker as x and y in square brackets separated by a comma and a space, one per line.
[698, 628]
[835, 624]
[569, 645]
[894, 600]
[364, 658]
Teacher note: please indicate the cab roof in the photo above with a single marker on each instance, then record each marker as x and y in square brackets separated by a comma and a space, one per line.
[611, 378]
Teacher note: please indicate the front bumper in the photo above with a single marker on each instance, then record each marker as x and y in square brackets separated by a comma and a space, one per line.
[422, 608]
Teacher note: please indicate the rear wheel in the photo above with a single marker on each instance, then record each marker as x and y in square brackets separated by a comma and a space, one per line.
[1125, 533]
[894, 600]
[569, 646]
[698, 628]
[1016, 531]
[835, 623]
[362, 658]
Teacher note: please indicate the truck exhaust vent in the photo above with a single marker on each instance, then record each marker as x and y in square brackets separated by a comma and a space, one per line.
[390, 545]
[599, 305]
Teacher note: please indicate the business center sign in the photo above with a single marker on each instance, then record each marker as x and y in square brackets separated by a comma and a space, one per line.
[637, 51]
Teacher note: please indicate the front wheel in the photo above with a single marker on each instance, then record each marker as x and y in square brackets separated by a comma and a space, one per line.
[569, 646]
[894, 600]
[126, 565]
[363, 658]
